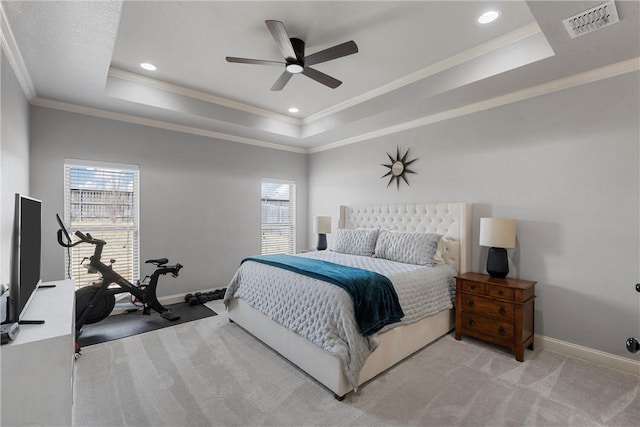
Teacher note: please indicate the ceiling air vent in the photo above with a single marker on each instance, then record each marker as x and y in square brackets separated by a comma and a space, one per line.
[592, 19]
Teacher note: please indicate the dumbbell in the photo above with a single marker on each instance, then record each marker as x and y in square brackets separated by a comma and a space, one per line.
[201, 297]
[191, 299]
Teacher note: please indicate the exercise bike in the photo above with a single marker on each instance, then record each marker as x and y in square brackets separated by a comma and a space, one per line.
[96, 301]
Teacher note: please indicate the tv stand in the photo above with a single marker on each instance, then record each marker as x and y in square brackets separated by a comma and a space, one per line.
[37, 367]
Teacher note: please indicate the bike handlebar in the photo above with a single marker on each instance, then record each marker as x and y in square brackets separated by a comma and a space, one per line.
[177, 269]
[67, 244]
[87, 238]
[84, 238]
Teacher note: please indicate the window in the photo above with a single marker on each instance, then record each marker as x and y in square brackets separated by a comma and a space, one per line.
[278, 217]
[102, 199]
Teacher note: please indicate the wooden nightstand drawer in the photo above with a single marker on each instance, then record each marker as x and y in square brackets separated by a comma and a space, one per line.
[488, 329]
[488, 307]
[474, 287]
[501, 292]
[499, 311]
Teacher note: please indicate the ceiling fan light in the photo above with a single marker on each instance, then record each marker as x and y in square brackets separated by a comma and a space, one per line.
[294, 68]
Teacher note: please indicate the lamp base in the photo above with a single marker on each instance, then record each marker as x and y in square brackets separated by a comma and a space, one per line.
[322, 242]
[497, 263]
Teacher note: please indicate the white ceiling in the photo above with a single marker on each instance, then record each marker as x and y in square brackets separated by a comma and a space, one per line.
[418, 62]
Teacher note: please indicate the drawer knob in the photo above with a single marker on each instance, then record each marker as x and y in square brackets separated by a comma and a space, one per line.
[471, 303]
[502, 310]
[472, 322]
[501, 331]
[500, 292]
[472, 286]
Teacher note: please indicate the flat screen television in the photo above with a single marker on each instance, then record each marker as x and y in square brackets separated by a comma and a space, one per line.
[26, 255]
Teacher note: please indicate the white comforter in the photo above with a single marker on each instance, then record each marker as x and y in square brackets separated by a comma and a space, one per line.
[323, 313]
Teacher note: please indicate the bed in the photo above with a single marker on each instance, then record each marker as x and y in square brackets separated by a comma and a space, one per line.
[324, 358]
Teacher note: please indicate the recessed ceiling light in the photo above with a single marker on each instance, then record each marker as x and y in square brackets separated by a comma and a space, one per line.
[147, 66]
[293, 110]
[488, 16]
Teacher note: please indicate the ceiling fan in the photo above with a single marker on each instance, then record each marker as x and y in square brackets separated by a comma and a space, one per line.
[295, 61]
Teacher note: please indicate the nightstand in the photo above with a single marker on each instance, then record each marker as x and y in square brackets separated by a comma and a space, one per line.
[499, 311]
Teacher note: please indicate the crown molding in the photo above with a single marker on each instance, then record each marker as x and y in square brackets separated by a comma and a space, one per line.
[515, 36]
[579, 79]
[199, 95]
[96, 112]
[613, 70]
[10, 47]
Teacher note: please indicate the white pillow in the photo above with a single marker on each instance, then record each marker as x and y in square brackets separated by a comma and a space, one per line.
[355, 242]
[409, 248]
[438, 258]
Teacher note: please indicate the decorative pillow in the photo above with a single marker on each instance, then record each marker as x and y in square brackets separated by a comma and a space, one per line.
[438, 258]
[355, 242]
[409, 248]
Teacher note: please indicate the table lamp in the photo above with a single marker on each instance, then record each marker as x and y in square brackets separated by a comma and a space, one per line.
[322, 226]
[498, 234]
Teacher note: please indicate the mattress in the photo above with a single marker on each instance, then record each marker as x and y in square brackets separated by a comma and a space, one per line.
[323, 313]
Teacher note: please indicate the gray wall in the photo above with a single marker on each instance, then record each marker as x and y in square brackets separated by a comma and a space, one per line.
[565, 165]
[199, 198]
[14, 159]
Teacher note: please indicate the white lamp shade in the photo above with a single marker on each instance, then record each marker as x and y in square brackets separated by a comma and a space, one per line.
[498, 232]
[322, 224]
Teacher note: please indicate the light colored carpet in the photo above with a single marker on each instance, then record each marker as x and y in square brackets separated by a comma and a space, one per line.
[211, 372]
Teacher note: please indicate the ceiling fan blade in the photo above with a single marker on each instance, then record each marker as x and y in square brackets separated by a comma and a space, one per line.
[321, 77]
[338, 51]
[282, 81]
[253, 61]
[281, 37]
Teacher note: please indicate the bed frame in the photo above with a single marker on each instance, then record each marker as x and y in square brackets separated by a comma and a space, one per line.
[452, 220]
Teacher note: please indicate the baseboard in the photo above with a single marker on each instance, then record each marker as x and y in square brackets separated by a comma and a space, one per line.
[172, 299]
[588, 354]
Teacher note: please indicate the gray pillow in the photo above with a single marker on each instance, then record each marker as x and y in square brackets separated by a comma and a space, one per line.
[406, 247]
[355, 242]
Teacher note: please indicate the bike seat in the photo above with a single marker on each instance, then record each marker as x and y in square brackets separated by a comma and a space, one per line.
[158, 262]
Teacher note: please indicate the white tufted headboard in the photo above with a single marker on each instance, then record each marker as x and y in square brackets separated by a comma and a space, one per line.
[452, 220]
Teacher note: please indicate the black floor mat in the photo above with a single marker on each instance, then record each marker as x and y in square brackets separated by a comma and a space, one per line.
[127, 324]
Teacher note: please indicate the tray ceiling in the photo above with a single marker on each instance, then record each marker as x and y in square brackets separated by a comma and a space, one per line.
[418, 62]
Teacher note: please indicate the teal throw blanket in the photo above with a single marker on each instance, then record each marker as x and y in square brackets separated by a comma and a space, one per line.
[375, 301]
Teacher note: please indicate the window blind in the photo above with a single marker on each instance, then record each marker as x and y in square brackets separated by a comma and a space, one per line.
[278, 217]
[103, 200]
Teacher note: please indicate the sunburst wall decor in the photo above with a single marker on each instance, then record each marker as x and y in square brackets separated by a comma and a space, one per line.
[398, 168]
